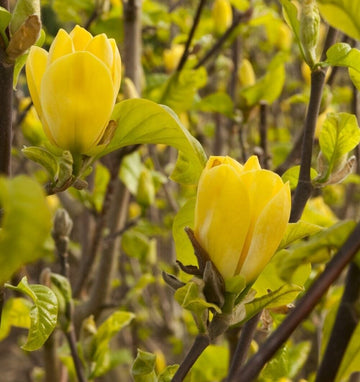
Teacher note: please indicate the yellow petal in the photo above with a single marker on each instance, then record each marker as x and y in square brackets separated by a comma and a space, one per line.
[80, 37]
[218, 160]
[77, 100]
[252, 164]
[61, 46]
[262, 186]
[35, 68]
[222, 215]
[102, 49]
[116, 68]
[268, 232]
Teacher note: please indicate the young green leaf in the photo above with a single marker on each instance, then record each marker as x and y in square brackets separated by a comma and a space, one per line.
[167, 374]
[26, 224]
[16, 312]
[141, 121]
[268, 88]
[100, 357]
[339, 135]
[5, 17]
[297, 231]
[43, 313]
[143, 369]
[342, 15]
[290, 15]
[184, 218]
[292, 176]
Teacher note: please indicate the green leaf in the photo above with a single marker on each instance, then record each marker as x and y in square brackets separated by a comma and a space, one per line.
[290, 15]
[351, 361]
[318, 249]
[184, 218]
[278, 366]
[273, 299]
[190, 297]
[297, 355]
[60, 285]
[297, 231]
[241, 5]
[168, 373]
[291, 175]
[130, 171]
[5, 17]
[339, 134]
[218, 103]
[269, 87]
[43, 313]
[180, 89]
[101, 340]
[342, 15]
[141, 121]
[26, 224]
[341, 54]
[212, 365]
[44, 158]
[143, 369]
[16, 312]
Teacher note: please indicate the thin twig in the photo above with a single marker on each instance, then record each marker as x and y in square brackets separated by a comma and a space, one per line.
[302, 310]
[201, 342]
[70, 336]
[185, 55]
[263, 135]
[87, 264]
[346, 321]
[241, 17]
[242, 348]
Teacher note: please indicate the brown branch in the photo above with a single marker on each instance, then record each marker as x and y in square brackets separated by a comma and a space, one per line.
[303, 309]
[185, 55]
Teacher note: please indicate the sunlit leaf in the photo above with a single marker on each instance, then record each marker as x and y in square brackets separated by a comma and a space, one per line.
[16, 312]
[342, 15]
[141, 121]
[143, 369]
[101, 341]
[339, 135]
[269, 87]
[26, 224]
[184, 218]
[43, 313]
[292, 176]
[218, 103]
[297, 231]
[5, 17]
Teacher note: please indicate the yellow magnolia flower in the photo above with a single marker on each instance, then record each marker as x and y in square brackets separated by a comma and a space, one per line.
[241, 215]
[74, 87]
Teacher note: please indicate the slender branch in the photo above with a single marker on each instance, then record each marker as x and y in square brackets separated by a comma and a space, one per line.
[241, 17]
[88, 261]
[263, 135]
[71, 338]
[185, 55]
[305, 188]
[302, 310]
[246, 336]
[6, 99]
[346, 321]
[102, 281]
[295, 153]
[200, 344]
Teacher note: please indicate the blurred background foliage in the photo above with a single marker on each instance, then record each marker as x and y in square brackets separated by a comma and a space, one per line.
[223, 97]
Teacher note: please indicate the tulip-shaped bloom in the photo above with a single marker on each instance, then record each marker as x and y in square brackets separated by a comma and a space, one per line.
[241, 215]
[74, 87]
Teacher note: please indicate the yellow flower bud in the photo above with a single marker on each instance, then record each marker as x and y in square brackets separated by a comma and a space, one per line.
[222, 15]
[241, 215]
[246, 74]
[74, 87]
[172, 57]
